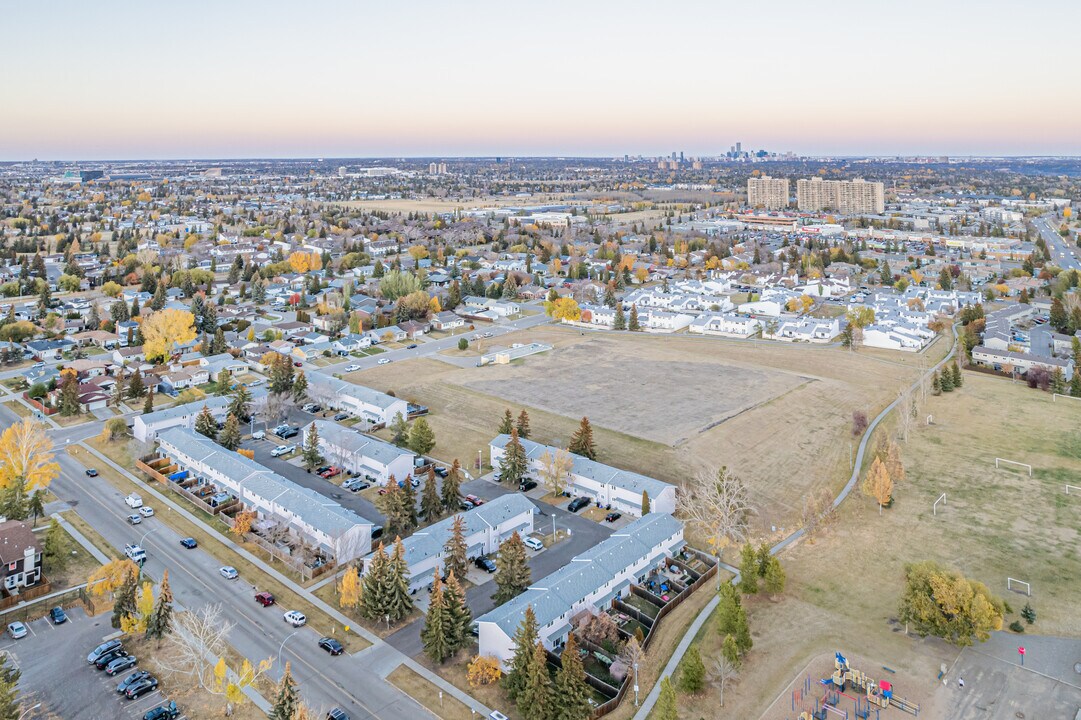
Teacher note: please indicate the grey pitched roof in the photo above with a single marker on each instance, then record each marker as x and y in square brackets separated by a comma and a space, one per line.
[361, 393]
[584, 575]
[603, 474]
[354, 442]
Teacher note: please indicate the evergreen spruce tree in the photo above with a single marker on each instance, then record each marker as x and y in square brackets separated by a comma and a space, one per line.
[645, 503]
[774, 579]
[632, 324]
[620, 320]
[434, 633]
[160, 622]
[373, 585]
[460, 619]
[10, 707]
[957, 381]
[523, 425]
[313, 457]
[148, 405]
[524, 641]
[287, 701]
[300, 387]
[946, 380]
[748, 570]
[205, 424]
[399, 602]
[666, 708]
[230, 434]
[512, 466]
[450, 490]
[407, 508]
[936, 384]
[217, 345]
[69, 393]
[223, 382]
[136, 389]
[454, 550]
[124, 599]
[570, 693]
[582, 441]
[1075, 384]
[55, 549]
[1058, 381]
[36, 505]
[512, 575]
[431, 506]
[421, 437]
[693, 676]
[158, 302]
[507, 424]
[240, 405]
[399, 429]
[535, 698]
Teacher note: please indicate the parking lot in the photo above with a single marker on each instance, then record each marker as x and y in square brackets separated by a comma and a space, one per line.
[52, 659]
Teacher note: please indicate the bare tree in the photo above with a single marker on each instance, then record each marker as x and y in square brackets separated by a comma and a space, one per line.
[907, 411]
[272, 407]
[197, 641]
[721, 673]
[555, 470]
[720, 507]
[818, 514]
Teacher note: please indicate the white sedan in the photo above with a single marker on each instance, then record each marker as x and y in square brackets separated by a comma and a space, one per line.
[352, 368]
[384, 361]
[229, 572]
[295, 618]
[146, 511]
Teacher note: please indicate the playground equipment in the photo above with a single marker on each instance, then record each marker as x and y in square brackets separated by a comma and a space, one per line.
[878, 693]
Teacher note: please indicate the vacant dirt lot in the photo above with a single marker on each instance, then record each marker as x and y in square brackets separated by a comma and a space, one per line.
[661, 397]
[779, 414]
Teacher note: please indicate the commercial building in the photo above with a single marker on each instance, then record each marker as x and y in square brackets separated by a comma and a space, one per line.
[588, 583]
[313, 518]
[767, 192]
[622, 489]
[486, 526]
[847, 197]
[372, 458]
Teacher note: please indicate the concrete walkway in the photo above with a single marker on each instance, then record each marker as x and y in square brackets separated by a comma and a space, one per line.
[389, 657]
[81, 539]
[700, 620]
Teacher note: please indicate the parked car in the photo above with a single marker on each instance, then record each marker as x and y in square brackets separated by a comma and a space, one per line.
[533, 543]
[577, 504]
[141, 687]
[337, 714]
[135, 519]
[442, 472]
[297, 363]
[146, 511]
[17, 630]
[477, 502]
[352, 368]
[168, 711]
[331, 645]
[134, 501]
[322, 469]
[282, 450]
[527, 485]
[485, 563]
[465, 505]
[341, 416]
[295, 618]
[102, 662]
[91, 473]
[384, 361]
[120, 664]
[264, 598]
[189, 543]
[377, 532]
[291, 432]
[131, 679]
[330, 472]
[258, 435]
[411, 346]
[58, 616]
[102, 649]
[612, 516]
[229, 572]
[308, 407]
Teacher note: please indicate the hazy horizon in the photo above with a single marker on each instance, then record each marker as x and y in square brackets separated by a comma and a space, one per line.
[120, 81]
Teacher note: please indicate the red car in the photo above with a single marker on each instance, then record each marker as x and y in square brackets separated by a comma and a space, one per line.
[474, 499]
[330, 472]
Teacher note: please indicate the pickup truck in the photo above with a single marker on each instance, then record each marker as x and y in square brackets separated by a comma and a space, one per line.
[135, 553]
[134, 501]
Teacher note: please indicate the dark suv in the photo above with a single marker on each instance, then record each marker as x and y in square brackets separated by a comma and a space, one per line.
[578, 503]
[486, 564]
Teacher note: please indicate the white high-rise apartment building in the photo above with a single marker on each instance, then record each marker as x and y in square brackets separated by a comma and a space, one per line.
[767, 192]
[847, 197]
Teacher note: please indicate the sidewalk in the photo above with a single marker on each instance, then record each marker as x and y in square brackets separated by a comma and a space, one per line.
[387, 654]
[81, 539]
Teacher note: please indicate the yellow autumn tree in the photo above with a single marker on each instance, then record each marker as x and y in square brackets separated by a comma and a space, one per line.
[483, 670]
[563, 309]
[242, 523]
[144, 606]
[878, 484]
[250, 454]
[349, 589]
[164, 329]
[435, 305]
[110, 576]
[303, 262]
[26, 456]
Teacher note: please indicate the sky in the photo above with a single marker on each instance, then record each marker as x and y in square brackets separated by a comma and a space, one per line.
[358, 78]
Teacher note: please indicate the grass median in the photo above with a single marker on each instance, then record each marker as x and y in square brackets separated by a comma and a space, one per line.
[428, 695]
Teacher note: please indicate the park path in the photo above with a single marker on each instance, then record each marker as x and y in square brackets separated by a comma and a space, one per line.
[703, 616]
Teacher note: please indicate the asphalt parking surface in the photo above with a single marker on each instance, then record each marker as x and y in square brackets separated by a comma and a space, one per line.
[52, 659]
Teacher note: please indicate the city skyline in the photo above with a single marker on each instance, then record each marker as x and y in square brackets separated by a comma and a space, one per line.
[124, 81]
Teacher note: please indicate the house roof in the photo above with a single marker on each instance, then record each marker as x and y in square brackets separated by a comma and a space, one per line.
[15, 537]
[359, 445]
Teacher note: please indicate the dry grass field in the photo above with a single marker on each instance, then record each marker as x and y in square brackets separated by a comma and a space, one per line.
[668, 405]
[843, 589]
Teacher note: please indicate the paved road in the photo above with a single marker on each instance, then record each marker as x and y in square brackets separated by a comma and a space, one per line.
[1063, 253]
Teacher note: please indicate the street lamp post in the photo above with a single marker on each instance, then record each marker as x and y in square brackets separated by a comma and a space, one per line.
[636, 684]
[282, 646]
